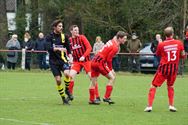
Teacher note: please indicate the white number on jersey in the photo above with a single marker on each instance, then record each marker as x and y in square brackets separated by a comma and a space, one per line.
[171, 55]
[108, 44]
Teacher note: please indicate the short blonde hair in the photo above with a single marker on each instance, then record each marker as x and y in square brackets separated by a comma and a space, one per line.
[169, 31]
[14, 36]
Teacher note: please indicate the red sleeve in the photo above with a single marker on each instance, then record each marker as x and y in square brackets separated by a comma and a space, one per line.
[181, 46]
[109, 58]
[87, 45]
[181, 50]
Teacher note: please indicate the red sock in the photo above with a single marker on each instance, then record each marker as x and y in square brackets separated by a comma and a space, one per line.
[108, 91]
[171, 95]
[151, 96]
[92, 94]
[96, 91]
[71, 85]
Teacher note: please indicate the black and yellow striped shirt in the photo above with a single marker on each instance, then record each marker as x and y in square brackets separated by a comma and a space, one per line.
[53, 40]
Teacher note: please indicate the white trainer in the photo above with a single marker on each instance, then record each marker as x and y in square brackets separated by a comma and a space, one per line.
[148, 109]
[172, 108]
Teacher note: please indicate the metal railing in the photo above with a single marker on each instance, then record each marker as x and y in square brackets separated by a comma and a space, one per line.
[121, 62]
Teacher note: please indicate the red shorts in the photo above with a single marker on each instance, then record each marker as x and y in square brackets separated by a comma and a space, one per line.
[99, 67]
[77, 66]
[159, 79]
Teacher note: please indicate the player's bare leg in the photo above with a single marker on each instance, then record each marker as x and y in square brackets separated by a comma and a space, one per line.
[109, 87]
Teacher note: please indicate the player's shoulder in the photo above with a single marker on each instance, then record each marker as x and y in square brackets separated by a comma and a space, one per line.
[176, 40]
[82, 36]
[179, 42]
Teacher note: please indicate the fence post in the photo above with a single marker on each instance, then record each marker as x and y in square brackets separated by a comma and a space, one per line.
[23, 59]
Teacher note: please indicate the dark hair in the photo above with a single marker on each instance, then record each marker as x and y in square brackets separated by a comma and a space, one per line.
[72, 26]
[56, 22]
[169, 31]
[120, 34]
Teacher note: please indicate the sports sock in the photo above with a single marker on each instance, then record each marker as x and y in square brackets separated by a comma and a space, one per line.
[67, 82]
[92, 94]
[71, 85]
[171, 95]
[61, 90]
[109, 89]
[97, 91]
[151, 96]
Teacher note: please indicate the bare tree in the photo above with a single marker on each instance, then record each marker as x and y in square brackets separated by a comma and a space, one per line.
[3, 24]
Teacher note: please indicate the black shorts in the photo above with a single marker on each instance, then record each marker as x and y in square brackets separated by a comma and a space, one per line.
[56, 69]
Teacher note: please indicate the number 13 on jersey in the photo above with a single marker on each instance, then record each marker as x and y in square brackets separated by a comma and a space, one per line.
[171, 55]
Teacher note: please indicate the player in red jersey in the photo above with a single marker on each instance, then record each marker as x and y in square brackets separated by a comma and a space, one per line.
[102, 64]
[81, 49]
[170, 51]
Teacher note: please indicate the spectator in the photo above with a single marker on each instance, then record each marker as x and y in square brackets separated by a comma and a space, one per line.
[134, 45]
[28, 45]
[12, 57]
[97, 45]
[153, 48]
[40, 46]
[155, 43]
[186, 42]
[116, 62]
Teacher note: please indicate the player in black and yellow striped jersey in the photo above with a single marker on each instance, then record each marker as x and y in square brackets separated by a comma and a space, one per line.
[58, 46]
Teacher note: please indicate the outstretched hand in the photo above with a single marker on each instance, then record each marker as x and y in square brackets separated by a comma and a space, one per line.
[82, 58]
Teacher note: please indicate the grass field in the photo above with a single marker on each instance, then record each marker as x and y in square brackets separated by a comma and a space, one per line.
[31, 98]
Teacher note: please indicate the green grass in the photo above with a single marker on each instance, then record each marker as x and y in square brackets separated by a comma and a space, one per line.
[31, 98]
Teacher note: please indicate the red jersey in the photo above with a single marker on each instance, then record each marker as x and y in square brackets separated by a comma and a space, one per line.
[80, 46]
[169, 51]
[108, 51]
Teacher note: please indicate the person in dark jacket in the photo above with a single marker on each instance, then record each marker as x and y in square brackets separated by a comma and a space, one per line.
[185, 42]
[28, 44]
[40, 46]
[153, 48]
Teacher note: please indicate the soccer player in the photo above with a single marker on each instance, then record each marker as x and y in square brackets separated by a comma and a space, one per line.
[170, 51]
[81, 49]
[58, 46]
[102, 64]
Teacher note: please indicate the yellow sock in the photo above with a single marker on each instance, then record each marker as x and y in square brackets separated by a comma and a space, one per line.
[67, 82]
[61, 90]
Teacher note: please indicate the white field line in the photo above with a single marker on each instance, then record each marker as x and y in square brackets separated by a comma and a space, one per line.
[25, 122]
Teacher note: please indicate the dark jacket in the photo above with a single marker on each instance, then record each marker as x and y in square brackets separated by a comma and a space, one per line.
[154, 45]
[40, 44]
[185, 42]
[29, 45]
